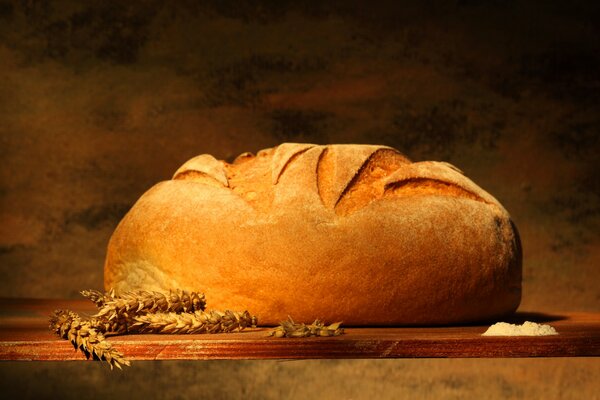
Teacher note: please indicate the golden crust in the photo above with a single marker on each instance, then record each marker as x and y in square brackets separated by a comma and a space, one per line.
[340, 232]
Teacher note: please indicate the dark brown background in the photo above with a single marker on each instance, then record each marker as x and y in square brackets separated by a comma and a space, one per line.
[100, 101]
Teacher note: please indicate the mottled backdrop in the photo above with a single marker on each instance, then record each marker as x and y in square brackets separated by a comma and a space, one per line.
[100, 100]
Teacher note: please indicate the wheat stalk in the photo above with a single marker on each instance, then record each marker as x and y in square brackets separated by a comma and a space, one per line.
[141, 311]
[297, 330]
[173, 312]
[85, 336]
[197, 322]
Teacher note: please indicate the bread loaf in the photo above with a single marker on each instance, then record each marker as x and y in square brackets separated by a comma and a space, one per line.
[352, 233]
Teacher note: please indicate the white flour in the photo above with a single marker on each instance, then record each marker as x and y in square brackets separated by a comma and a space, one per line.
[527, 329]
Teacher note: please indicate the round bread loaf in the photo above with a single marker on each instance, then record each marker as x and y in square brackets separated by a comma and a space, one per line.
[352, 233]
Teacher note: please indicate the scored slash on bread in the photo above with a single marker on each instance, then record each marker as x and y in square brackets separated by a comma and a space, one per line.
[347, 177]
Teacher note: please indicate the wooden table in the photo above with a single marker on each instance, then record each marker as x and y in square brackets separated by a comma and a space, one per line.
[24, 335]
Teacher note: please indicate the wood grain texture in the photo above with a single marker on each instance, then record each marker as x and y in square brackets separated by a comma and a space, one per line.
[24, 335]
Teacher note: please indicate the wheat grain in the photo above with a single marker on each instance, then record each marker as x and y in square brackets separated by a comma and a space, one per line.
[291, 329]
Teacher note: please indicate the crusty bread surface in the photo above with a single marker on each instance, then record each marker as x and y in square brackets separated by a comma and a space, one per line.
[353, 233]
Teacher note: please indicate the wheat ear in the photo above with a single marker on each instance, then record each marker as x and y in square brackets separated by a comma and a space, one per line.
[196, 322]
[138, 302]
[85, 337]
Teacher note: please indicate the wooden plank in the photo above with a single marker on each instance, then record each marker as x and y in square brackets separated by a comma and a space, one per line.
[24, 335]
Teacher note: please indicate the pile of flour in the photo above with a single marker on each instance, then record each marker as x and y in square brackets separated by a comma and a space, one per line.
[527, 329]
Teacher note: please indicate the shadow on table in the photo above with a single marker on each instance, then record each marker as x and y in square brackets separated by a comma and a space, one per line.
[522, 316]
[518, 317]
